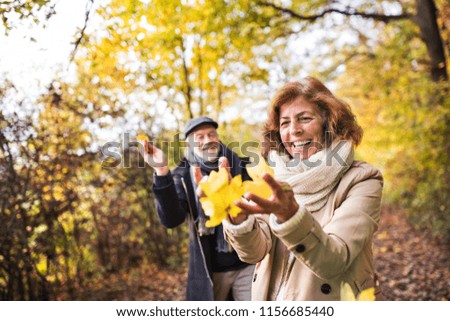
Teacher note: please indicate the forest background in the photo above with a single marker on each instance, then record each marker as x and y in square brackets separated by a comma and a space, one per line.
[73, 218]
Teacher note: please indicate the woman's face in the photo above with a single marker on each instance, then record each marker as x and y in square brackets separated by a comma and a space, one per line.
[301, 128]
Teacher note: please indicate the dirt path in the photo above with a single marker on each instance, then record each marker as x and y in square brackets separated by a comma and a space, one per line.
[410, 264]
[147, 283]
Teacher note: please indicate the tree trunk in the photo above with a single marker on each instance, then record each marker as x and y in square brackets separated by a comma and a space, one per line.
[426, 18]
[200, 78]
[188, 89]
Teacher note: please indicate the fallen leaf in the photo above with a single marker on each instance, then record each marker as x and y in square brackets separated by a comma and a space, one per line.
[348, 295]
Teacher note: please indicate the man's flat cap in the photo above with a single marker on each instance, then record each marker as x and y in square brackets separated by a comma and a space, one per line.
[192, 124]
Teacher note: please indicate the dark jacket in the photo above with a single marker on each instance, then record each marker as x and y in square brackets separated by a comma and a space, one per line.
[176, 202]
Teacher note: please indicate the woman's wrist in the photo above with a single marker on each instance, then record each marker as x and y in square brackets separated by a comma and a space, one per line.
[290, 225]
[239, 219]
[240, 229]
[287, 214]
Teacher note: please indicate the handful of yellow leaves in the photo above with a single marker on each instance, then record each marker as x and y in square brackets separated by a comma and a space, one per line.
[221, 192]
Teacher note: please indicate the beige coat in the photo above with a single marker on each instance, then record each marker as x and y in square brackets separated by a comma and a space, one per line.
[329, 246]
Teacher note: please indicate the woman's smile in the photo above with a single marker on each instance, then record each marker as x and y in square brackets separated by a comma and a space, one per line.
[301, 128]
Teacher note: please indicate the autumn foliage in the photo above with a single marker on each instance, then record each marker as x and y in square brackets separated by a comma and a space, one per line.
[76, 204]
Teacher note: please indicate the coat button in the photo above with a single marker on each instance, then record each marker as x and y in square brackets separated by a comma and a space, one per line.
[325, 288]
[300, 248]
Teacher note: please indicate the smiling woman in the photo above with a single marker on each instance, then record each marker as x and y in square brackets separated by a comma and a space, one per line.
[313, 235]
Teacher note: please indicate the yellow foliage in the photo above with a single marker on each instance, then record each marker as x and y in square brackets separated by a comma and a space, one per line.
[142, 137]
[258, 186]
[259, 168]
[41, 265]
[382, 236]
[348, 295]
[221, 193]
[58, 193]
[367, 295]
[215, 182]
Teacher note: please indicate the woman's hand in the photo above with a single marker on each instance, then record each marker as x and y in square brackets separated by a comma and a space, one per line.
[282, 203]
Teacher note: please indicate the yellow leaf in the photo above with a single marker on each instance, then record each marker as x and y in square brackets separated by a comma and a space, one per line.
[367, 295]
[214, 221]
[236, 183]
[347, 292]
[258, 169]
[348, 295]
[382, 236]
[234, 193]
[142, 137]
[234, 210]
[220, 196]
[215, 208]
[258, 187]
[216, 181]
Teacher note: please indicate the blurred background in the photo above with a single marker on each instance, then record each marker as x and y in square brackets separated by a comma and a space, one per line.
[79, 79]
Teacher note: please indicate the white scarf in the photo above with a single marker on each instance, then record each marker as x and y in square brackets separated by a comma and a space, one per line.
[314, 178]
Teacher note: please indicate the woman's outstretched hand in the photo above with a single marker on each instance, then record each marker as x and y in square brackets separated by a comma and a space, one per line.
[282, 203]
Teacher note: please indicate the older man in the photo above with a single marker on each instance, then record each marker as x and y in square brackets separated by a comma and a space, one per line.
[215, 270]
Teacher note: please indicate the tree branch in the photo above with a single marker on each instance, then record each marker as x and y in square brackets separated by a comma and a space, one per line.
[77, 42]
[376, 16]
[188, 92]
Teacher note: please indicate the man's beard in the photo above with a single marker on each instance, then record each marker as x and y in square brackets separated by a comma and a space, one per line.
[208, 153]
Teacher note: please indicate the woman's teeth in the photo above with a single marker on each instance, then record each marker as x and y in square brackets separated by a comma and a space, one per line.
[300, 144]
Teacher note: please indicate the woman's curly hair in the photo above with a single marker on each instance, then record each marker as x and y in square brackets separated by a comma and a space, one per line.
[339, 121]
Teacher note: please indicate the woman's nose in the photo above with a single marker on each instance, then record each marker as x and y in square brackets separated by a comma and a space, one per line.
[296, 128]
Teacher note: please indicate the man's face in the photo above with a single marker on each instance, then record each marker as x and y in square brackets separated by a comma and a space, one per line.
[205, 141]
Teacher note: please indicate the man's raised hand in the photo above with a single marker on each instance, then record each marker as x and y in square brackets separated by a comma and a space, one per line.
[154, 157]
